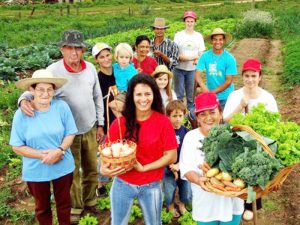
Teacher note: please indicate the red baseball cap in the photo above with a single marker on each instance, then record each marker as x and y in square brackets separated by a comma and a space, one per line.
[190, 14]
[206, 101]
[252, 64]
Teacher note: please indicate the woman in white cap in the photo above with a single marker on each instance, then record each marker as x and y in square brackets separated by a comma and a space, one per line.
[102, 53]
[44, 143]
[208, 208]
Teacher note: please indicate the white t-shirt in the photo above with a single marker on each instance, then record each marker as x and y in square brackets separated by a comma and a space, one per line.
[165, 97]
[207, 206]
[235, 98]
[190, 45]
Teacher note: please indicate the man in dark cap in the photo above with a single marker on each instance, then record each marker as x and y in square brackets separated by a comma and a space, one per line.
[83, 94]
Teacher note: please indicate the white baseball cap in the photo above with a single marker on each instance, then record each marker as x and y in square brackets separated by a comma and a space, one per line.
[98, 47]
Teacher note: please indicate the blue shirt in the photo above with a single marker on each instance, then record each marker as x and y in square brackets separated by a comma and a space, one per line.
[180, 133]
[44, 131]
[124, 75]
[217, 67]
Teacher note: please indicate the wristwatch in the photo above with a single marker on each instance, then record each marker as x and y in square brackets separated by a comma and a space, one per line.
[62, 150]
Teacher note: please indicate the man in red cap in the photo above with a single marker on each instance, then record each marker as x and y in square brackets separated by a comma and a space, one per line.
[191, 45]
[243, 99]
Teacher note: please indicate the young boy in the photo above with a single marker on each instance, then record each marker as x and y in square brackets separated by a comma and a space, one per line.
[176, 111]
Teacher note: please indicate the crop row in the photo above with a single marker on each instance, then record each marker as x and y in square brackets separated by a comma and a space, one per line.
[41, 55]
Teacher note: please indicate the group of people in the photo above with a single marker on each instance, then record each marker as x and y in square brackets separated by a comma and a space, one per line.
[61, 122]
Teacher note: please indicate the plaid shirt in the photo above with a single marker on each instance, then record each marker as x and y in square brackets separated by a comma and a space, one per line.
[170, 49]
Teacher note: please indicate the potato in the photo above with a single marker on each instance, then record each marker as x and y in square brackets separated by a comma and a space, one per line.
[226, 176]
[240, 183]
[212, 172]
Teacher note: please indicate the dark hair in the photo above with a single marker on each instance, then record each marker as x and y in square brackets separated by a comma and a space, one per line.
[175, 105]
[141, 38]
[129, 111]
[212, 36]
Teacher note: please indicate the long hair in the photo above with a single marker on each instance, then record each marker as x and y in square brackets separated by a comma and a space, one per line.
[168, 87]
[129, 110]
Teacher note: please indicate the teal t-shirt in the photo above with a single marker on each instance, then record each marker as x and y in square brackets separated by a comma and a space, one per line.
[217, 67]
[44, 131]
[124, 75]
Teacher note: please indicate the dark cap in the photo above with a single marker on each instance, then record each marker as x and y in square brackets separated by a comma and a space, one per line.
[72, 38]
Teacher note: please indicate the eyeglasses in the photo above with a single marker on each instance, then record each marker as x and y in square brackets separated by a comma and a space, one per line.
[40, 91]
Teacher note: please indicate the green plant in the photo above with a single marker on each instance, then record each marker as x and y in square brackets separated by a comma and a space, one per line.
[88, 220]
[256, 23]
[166, 217]
[186, 219]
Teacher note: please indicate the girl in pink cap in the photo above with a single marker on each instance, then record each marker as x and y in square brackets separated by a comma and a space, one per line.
[191, 46]
[208, 208]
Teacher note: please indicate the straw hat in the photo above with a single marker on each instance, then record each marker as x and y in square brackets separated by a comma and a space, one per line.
[162, 69]
[159, 23]
[41, 76]
[228, 36]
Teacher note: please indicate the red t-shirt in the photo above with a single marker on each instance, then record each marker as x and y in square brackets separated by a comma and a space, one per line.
[156, 136]
[148, 65]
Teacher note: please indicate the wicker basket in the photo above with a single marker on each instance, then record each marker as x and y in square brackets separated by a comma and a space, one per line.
[275, 183]
[126, 162]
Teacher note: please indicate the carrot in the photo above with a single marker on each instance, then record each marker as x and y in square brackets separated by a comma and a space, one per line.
[229, 184]
[228, 188]
[220, 187]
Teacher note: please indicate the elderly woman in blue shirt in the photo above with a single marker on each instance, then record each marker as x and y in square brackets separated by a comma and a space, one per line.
[44, 143]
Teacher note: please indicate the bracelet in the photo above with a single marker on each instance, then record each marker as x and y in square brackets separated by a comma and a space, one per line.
[63, 151]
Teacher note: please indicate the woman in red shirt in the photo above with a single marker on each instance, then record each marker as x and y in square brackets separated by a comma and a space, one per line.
[144, 123]
[142, 62]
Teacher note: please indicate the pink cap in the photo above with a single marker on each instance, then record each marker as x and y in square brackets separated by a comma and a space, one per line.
[206, 101]
[190, 14]
[252, 64]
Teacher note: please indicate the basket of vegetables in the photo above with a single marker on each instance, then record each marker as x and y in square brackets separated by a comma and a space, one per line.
[120, 153]
[241, 163]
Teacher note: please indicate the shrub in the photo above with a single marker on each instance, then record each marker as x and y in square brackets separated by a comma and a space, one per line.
[88, 220]
[256, 23]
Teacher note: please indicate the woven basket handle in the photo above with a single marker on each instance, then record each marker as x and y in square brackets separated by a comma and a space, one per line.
[255, 135]
[111, 91]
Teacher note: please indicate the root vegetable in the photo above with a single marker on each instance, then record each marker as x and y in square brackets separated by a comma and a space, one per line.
[212, 172]
[226, 176]
[240, 183]
[219, 176]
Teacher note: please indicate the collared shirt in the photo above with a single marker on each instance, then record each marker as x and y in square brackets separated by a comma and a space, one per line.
[170, 49]
[69, 69]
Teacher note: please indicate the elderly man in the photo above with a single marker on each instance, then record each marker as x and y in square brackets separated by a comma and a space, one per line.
[219, 66]
[83, 94]
[165, 51]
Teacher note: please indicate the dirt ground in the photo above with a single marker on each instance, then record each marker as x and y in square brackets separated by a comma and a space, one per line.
[282, 207]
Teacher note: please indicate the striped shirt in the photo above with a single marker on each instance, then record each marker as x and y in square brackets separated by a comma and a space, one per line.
[170, 49]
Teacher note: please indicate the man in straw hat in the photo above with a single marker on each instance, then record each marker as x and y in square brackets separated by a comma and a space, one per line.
[44, 142]
[219, 66]
[165, 51]
[83, 94]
